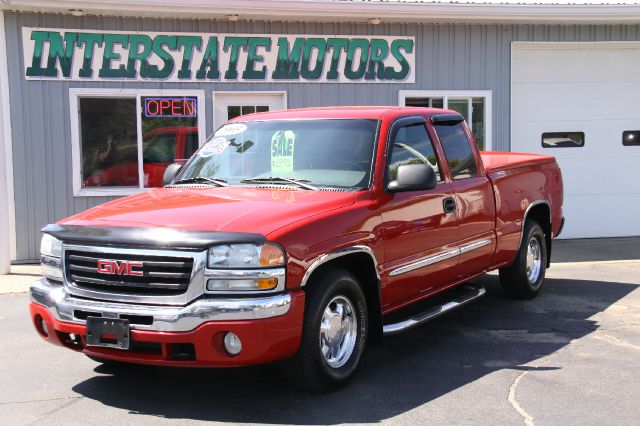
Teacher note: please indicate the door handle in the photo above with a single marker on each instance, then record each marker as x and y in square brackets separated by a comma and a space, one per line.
[449, 205]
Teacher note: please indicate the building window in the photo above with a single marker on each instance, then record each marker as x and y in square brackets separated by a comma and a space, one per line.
[123, 140]
[234, 111]
[563, 139]
[474, 106]
[631, 138]
[462, 162]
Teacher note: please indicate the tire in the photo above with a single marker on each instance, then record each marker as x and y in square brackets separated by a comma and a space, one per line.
[525, 277]
[330, 348]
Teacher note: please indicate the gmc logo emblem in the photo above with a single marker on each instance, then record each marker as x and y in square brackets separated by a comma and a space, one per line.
[120, 267]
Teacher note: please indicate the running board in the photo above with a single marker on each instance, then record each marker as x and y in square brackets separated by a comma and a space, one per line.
[472, 292]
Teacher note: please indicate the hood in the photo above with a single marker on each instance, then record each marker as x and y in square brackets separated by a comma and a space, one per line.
[228, 209]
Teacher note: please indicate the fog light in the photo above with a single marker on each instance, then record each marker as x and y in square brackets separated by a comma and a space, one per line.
[41, 326]
[232, 343]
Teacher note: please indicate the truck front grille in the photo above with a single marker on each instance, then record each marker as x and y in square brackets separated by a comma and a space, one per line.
[158, 275]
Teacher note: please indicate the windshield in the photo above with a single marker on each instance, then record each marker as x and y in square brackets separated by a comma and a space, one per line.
[323, 153]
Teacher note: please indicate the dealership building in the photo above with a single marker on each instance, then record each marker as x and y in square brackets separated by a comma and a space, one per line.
[97, 97]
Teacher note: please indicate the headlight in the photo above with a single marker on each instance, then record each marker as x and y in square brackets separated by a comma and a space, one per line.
[50, 257]
[246, 256]
[245, 267]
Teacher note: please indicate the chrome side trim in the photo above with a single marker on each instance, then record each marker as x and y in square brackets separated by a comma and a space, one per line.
[425, 262]
[339, 253]
[241, 274]
[473, 292]
[439, 257]
[165, 318]
[473, 246]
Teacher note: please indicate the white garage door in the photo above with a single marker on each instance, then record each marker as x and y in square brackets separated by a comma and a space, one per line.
[570, 91]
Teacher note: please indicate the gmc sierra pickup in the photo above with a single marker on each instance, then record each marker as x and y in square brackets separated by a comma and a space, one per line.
[298, 236]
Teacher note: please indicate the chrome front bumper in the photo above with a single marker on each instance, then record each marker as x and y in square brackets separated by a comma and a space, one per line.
[65, 307]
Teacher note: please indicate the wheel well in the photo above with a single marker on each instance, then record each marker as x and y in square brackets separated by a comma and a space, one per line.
[362, 266]
[542, 215]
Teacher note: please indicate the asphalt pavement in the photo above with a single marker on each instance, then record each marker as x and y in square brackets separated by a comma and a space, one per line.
[570, 356]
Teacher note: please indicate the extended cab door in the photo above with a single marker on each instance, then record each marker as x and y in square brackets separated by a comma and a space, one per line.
[474, 199]
[419, 236]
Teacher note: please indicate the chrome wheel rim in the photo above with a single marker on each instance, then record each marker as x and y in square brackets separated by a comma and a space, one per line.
[338, 331]
[534, 260]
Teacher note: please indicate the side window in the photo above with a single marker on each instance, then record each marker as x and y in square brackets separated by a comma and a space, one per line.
[456, 148]
[411, 145]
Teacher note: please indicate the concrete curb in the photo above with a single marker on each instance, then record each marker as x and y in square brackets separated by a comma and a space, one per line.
[20, 278]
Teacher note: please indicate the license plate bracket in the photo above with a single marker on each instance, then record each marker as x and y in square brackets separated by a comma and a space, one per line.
[108, 332]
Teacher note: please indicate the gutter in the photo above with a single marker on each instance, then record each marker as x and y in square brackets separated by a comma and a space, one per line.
[344, 11]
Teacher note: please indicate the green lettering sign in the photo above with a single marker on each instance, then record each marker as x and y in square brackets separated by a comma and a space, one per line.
[288, 64]
[210, 61]
[147, 56]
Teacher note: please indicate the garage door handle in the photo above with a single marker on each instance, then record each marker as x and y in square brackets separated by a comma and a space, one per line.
[449, 205]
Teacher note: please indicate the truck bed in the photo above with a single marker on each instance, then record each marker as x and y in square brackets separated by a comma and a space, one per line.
[495, 161]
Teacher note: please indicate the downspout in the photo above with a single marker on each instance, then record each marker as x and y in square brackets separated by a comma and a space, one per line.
[7, 220]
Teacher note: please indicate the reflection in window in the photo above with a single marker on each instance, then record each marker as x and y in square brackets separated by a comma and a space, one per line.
[631, 138]
[563, 139]
[109, 143]
[167, 137]
[411, 145]
[109, 147]
[458, 151]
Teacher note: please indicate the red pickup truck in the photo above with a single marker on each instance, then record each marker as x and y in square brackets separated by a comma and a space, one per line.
[299, 236]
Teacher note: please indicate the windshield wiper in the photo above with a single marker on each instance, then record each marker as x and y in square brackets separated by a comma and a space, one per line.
[275, 180]
[215, 181]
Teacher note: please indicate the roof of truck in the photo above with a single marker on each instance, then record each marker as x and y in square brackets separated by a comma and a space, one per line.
[363, 112]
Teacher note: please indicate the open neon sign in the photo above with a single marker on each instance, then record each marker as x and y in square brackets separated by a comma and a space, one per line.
[170, 107]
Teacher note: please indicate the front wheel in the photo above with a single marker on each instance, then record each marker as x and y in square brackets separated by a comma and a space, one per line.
[524, 278]
[333, 336]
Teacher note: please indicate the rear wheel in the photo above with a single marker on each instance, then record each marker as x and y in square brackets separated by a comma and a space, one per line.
[333, 336]
[525, 277]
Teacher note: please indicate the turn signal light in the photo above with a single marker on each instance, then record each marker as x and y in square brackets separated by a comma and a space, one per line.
[267, 283]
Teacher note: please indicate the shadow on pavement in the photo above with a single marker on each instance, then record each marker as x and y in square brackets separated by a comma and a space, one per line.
[596, 249]
[411, 369]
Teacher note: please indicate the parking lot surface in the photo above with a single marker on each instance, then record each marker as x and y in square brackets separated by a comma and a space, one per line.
[571, 356]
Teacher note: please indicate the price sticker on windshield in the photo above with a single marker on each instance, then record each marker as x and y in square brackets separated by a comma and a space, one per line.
[282, 143]
[214, 147]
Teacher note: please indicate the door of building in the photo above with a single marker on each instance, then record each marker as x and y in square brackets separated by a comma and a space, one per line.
[228, 105]
[579, 103]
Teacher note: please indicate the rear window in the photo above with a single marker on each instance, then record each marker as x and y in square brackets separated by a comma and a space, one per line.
[563, 140]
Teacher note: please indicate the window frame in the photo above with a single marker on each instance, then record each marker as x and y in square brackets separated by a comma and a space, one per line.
[470, 143]
[250, 95]
[584, 139]
[407, 121]
[446, 94]
[75, 94]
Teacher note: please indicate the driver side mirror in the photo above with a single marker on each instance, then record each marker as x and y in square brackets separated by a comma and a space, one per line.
[170, 172]
[413, 177]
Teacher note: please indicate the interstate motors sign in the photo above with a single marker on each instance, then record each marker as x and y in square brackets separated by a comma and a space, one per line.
[85, 55]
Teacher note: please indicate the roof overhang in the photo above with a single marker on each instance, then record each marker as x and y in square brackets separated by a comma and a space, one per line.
[489, 11]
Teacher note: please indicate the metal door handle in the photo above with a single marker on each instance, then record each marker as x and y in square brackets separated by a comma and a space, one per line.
[449, 205]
